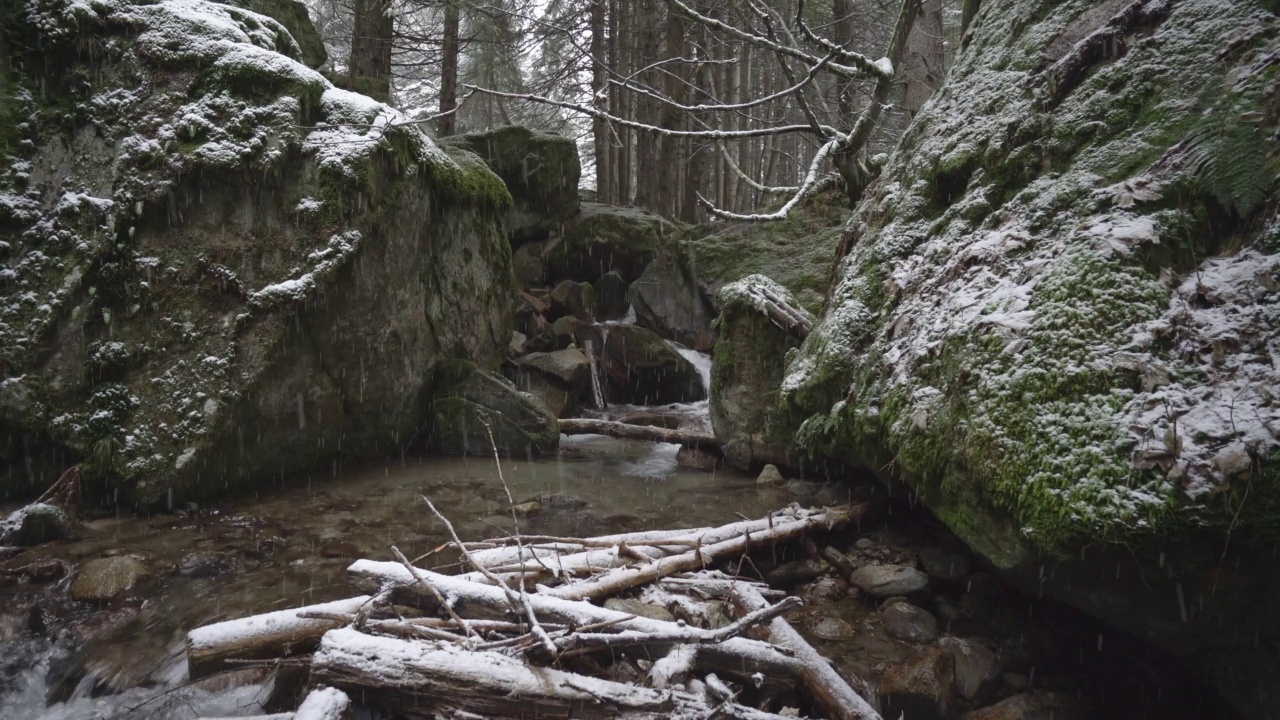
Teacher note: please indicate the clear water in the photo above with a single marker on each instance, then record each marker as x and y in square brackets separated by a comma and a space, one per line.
[292, 545]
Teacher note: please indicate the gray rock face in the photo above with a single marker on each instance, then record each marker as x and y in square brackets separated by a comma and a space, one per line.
[945, 564]
[888, 580]
[604, 238]
[908, 622]
[668, 301]
[292, 14]
[474, 399]
[574, 298]
[34, 524]
[527, 263]
[104, 579]
[540, 170]
[746, 375]
[976, 665]
[611, 296]
[250, 315]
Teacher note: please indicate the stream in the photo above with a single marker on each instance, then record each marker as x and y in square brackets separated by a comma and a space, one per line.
[289, 545]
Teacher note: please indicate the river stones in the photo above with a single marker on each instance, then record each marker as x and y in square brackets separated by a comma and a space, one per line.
[922, 688]
[104, 579]
[944, 564]
[830, 628]
[770, 477]
[888, 580]
[796, 572]
[34, 524]
[976, 665]
[905, 621]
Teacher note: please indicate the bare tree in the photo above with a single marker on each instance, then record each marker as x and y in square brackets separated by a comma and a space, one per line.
[680, 113]
[449, 70]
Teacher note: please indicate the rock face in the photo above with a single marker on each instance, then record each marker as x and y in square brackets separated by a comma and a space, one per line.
[1062, 292]
[471, 399]
[668, 301]
[292, 14]
[746, 375]
[540, 170]
[227, 263]
[603, 238]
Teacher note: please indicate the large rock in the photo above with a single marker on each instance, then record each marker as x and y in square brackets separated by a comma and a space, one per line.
[34, 524]
[292, 14]
[573, 298]
[888, 580]
[611, 296]
[921, 688]
[1057, 321]
[746, 377]
[668, 301]
[976, 665]
[559, 378]
[604, 238]
[472, 403]
[541, 171]
[641, 368]
[276, 283]
[105, 579]
[908, 622]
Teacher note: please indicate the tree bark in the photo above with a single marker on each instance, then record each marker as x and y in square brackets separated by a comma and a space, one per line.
[599, 83]
[449, 71]
[369, 67]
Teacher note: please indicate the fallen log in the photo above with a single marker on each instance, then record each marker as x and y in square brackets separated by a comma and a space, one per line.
[740, 656]
[324, 703]
[260, 637]
[830, 692]
[688, 438]
[620, 579]
[423, 680]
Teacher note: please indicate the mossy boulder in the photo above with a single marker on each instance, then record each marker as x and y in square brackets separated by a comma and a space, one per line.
[641, 368]
[669, 301]
[1055, 319]
[34, 524]
[292, 14]
[470, 404]
[747, 368]
[573, 298]
[604, 238]
[798, 252]
[105, 579]
[559, 378]
[242, 271]
[541, 170]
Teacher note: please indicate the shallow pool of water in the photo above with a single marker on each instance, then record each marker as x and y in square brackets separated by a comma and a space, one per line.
[290, 546]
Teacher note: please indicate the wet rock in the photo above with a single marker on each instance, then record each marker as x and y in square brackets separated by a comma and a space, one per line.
[641, 368]
[104, 579]
[826, 627]
[568, 366]
[697, 459]
[34, 524]
[541, 172]
[525, 509]
[976, 665]
[1030, 706]
[518, 345]
[770, 477]
[864, 543]
[40, 571]
[573, 298]
[922, 688]
[796, 572]
[825, 588]
[611, 296]
[206, 564]
[668, 301]
[603, 238]
[469, 399]
[636, 607]
[746, 377]
[944, 564]
[905, 621]
[558, 399]
[888, 580]
[527, 263]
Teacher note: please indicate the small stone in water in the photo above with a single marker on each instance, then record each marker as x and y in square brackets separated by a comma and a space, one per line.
[830, 628]
[905, 621]
[770, 477]
[103, 579]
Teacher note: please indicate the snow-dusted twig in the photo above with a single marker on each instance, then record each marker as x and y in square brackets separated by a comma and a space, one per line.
[806, 187]
[444, 603]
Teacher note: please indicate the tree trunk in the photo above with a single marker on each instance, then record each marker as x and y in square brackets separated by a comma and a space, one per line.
[926, 55]
[369, 67]
[599, 82]
[449, 71]
[669, 174]
[647, 109]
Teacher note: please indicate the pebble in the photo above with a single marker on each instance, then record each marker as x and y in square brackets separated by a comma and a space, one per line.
[889, 580]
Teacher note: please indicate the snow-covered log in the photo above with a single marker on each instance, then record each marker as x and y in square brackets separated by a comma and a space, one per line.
[324, 703]
[425, 680]
[688, 438]
[274, 634]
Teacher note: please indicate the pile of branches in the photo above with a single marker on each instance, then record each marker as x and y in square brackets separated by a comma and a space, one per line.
[524, 632]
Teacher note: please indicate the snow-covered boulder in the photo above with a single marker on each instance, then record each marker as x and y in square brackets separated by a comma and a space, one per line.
[1060, 322]
[216, 267]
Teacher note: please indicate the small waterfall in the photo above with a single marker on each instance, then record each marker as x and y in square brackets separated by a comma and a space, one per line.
[596, 390]
[701, 361]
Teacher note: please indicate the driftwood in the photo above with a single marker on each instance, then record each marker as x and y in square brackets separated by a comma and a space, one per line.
[493, 644]
[829, 691]
[276, 634]
[688, 438]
